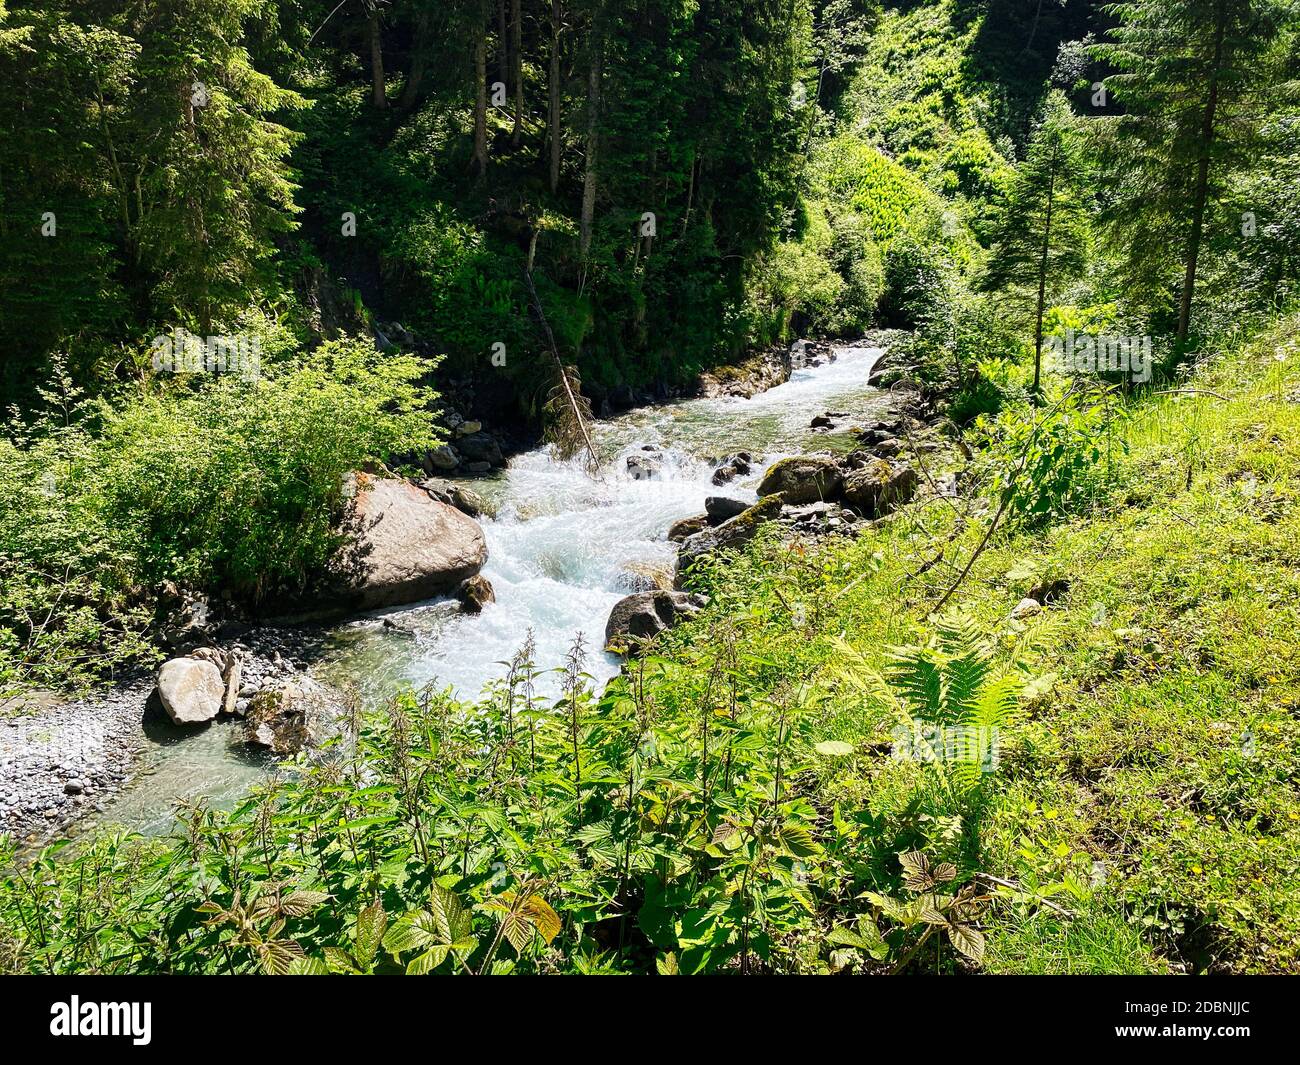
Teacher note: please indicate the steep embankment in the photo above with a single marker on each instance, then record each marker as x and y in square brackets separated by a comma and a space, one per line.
[1151, 789]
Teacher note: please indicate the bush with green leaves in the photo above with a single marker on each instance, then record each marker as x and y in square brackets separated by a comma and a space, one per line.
[219, 483]
[1049, 464]
[675, 823]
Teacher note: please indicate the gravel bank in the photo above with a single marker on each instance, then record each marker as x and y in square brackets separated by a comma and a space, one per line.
[63, 760]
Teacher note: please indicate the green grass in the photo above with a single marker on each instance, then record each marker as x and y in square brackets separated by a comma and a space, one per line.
[1159, 766]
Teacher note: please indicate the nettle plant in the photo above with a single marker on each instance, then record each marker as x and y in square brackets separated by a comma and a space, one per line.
[665, 824]
[677, 823]
[1046, 465]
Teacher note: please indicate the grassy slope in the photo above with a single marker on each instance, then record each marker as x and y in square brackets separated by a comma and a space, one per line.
[1158, 769]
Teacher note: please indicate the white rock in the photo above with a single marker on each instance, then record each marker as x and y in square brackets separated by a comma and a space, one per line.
[1027, 608]
[191, 690]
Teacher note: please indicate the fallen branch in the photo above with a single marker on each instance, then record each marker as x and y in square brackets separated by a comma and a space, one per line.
[1013, 886]
[579, 419]
[1006, 499]
[1189, 392]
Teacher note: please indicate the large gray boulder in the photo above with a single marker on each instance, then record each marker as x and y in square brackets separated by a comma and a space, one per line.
[408, 545]
[300, 714]
[643, 615]
[803, 479]
[731, 535]
[879, 487]
[191, 690]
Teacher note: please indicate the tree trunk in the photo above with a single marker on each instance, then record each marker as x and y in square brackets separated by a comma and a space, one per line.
[1202, 184]
[419, 63]
[481, 96]
[593, 143]
[553, 112]
[377, 92]
[1042, 277]
[503, 45]
[517, 67]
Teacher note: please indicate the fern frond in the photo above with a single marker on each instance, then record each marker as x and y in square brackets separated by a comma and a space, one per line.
[916, 673]
[997, 704]
[966, 677]
[960, 636]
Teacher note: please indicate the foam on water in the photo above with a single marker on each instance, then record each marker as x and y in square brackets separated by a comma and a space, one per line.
[565, 546]
[563, 549]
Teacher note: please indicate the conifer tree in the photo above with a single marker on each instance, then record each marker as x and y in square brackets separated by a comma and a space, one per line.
[1041, 235]
[1193, 78]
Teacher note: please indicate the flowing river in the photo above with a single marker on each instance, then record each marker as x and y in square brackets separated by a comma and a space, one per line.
[564, 547]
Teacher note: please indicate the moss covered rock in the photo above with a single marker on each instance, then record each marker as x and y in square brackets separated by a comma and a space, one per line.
[879, 487]
[803, 479]
[730, 535]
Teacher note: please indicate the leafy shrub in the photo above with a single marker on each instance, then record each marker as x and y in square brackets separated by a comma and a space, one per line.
[228, 484]
[1047, 464]
[667, 825]
[891, 199]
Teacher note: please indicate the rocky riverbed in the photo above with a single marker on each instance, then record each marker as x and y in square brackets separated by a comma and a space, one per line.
[63, 761]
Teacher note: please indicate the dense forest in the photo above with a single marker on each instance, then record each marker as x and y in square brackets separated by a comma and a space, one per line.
[257, 253]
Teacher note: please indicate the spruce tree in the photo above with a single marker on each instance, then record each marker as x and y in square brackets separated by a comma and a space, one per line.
[1193, 78]
[1042, 232]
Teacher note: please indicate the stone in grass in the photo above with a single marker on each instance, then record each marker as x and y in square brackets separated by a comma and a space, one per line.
[732, 534]
[878, 488]
[1026, 608]
[191, 690]
[640, 616]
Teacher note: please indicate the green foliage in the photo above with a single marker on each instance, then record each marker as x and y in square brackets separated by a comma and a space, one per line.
[915, 94]
[236, 485]
[1191, 77]
[888, 196]
[1041, 234]
[226, 483]
[1048, 465]
[147, 132]
[827, 282]
[646, 821]
[949, 702]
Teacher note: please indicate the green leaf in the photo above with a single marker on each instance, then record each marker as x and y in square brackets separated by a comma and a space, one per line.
[916, 871]
[834, 748]
[798, 840]
[371, 924]
[301, 903]
[310, 966]
[340, 961]
[968, 939]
